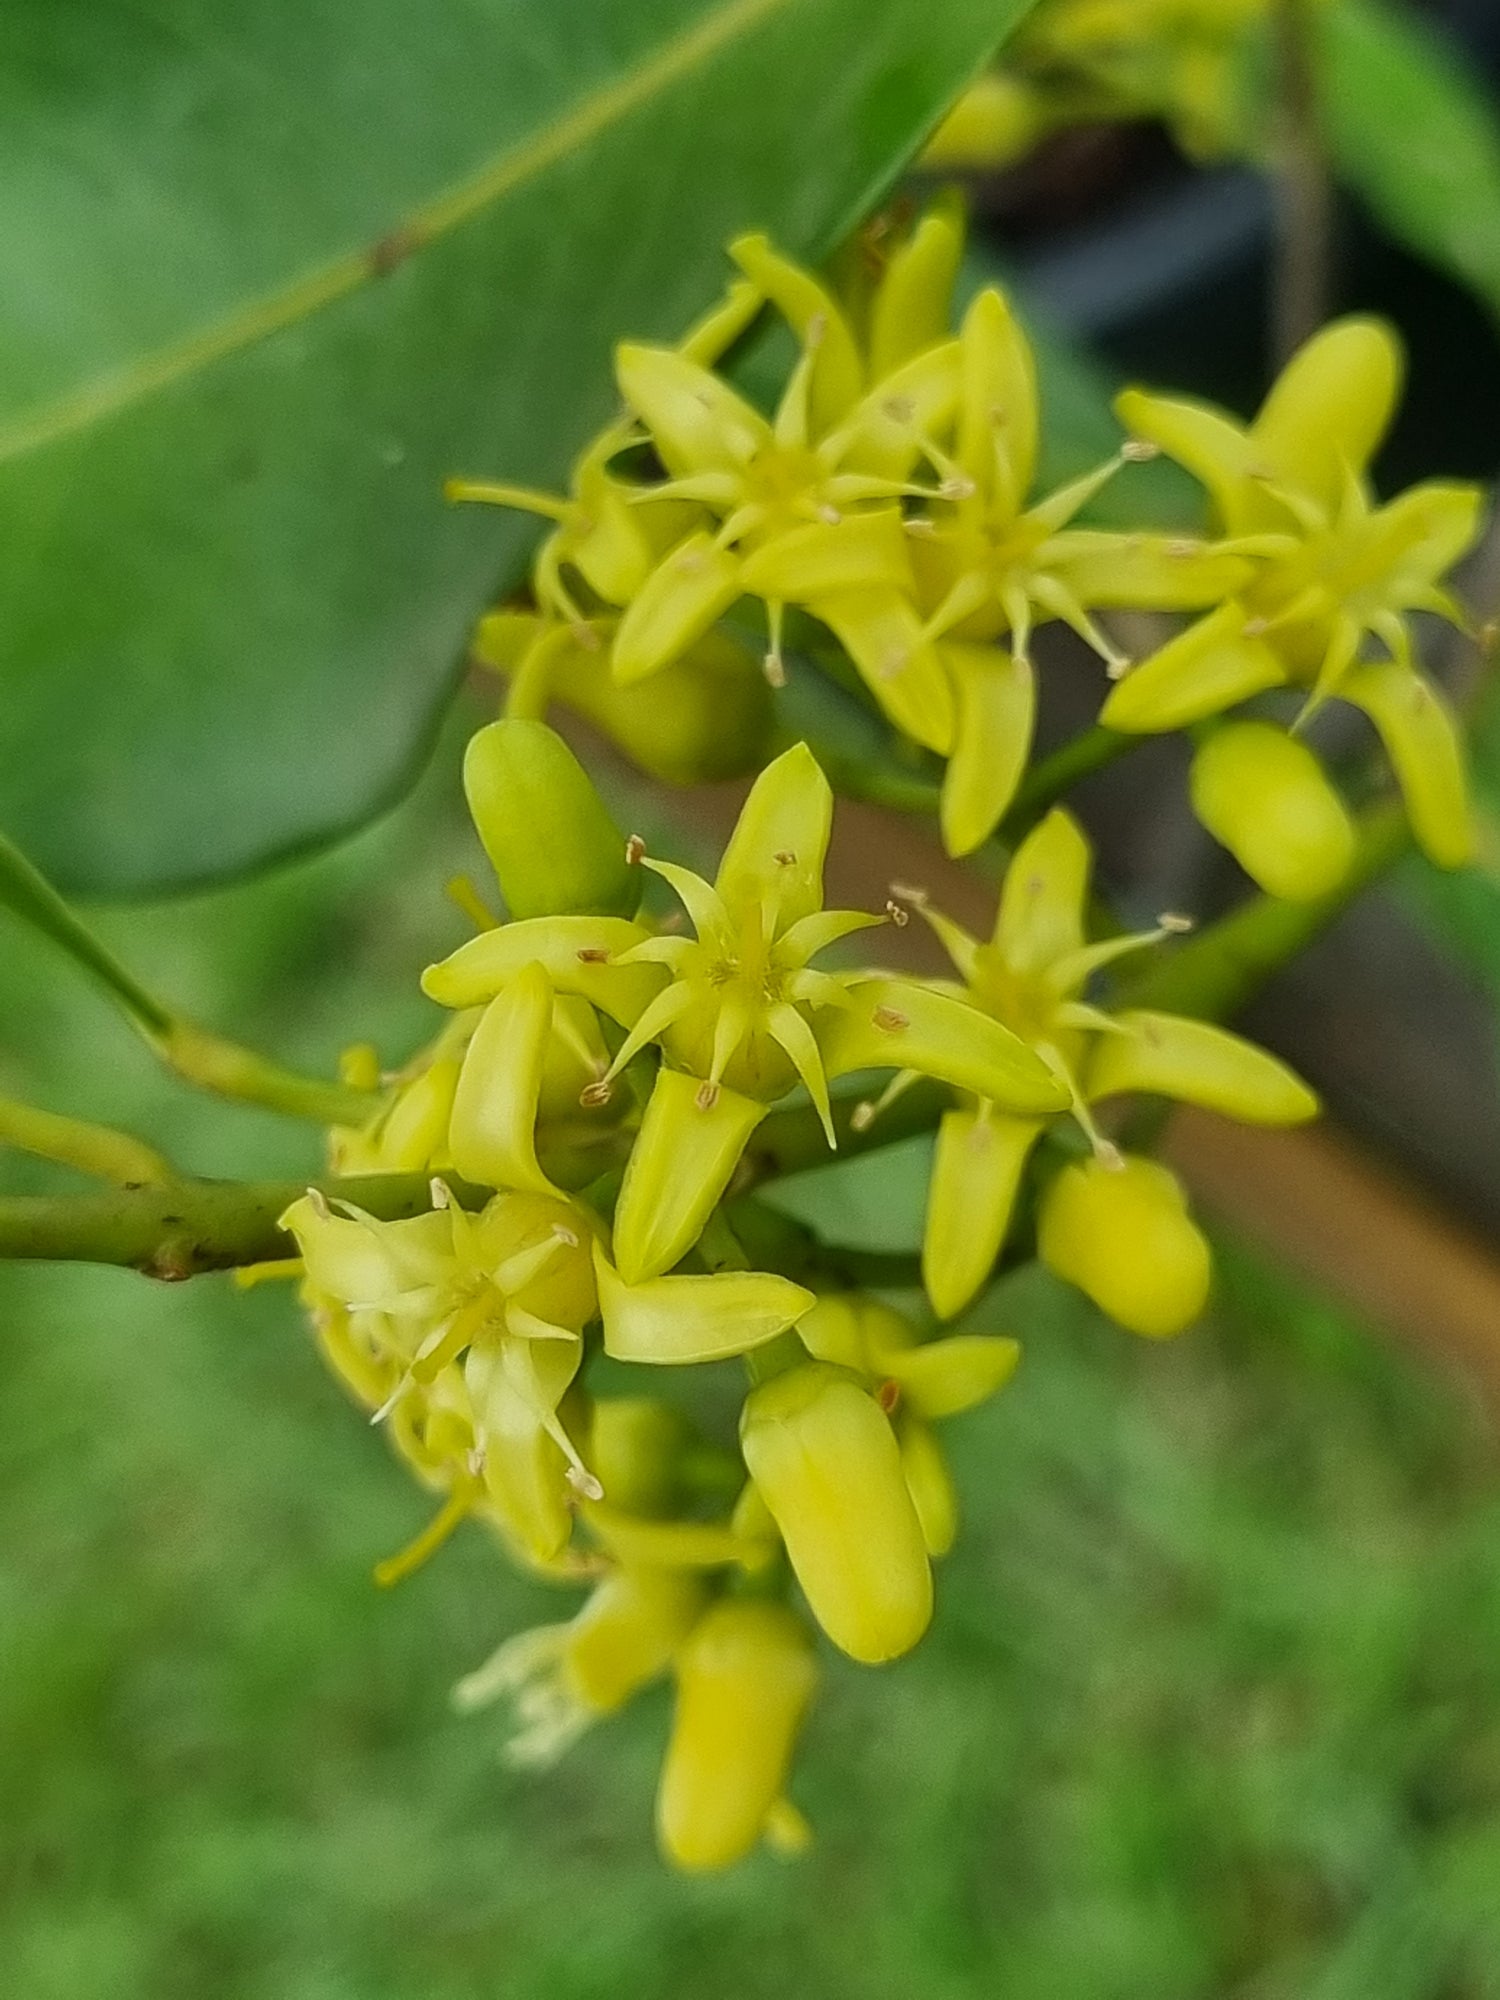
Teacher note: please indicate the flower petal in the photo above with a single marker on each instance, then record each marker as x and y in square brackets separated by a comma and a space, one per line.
[1426, 753]
[976, 1172]
[911, 305]
[810, 310]
[998, 413]
[780, 839]
[492, 1133]
[884, 435]
[882, 634]
[687, 1148]
[822, 559]
[697, 422]
[575, 952]
[1144, 572]
[929, 1482]
[1197, 1063]
[1215, 449]
[1329, 408]
[681, 599]
[1209, 667]
[996, 716]
[941, 1378]
[895, 1024]
[1045, 895]
[679, 1319]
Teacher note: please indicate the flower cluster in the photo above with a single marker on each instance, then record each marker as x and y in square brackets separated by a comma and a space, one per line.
[594, 1119]
[886, 503]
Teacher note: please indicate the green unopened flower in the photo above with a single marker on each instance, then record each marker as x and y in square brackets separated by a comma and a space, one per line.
[1032, 974]
[826, 1462]
[745, 1677]
[1265, 796]
[1331, 569]
[1120, 1230]
[992, 565]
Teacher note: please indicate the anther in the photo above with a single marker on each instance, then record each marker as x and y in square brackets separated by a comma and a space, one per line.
[1139, 451]
[584, 1483]
[593, 954]
[320, 1206]
[900, 409]
[829, 515]
[1175, 922]
[907, 892]
[773, 666]
[1109, 1156]
[594, 1094]
[635, 851]
[584, 635]
[923, 530]
[707, 1096]
[438, 1189]
[1117, 668]
[957, 489]
[890, 1020]
[899, 917]
[1253, 627]
[888, 1395]
[862, 1117]
[786, 857]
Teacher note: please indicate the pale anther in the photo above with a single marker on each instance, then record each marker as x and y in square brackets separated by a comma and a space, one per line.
[707, 1096]
[594, 1094]
[1174, 921]
[774, 668]
[899, 917]
[635, 849]
[890, 1020]
[1139, 450]
[593, 954]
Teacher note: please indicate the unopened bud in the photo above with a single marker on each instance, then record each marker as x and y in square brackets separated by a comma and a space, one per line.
[1125, 1237]
[552, 844]
[1264, 795]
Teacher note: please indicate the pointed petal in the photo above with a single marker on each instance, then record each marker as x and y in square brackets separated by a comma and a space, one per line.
[838, 373]
[575, 952]
[669, 1005]
[929, 1483]
[976, 1172]
[789, 813]
[962, 949]
[998, 399]
[680, 1164]
[668, 1321]
[910, 311]
[941, 1378]
[823, 559]
[882, 634]
[1422, 532]
[701, 900]
[884, 436]
[1045, 895]
[894, 1024]
[791, 1033]
[1426, 753]
[1209, 667]
[1329, 408]
[1215, 449]
[697, 422]
[492, 1133]
[721, 326]
[820, 928]
[996, 695]
[680, 600]
[1144, 572]
[1197, 1063]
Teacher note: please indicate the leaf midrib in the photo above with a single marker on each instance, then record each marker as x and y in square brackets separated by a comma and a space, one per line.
[118, 389]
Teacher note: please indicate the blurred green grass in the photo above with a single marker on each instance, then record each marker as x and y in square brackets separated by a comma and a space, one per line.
[1212, 1705]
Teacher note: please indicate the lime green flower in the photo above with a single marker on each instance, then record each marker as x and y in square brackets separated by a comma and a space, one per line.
[739, 1011]
[1331, 569]
[918, 1383]
[506, 1293]
[990, 566]
[1032, 975]
[745, 1677]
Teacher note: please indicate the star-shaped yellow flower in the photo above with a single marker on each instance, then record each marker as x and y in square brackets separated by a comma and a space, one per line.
[1332, 569]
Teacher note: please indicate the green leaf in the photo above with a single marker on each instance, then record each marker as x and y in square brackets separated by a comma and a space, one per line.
[271, 273]
[1416, 136]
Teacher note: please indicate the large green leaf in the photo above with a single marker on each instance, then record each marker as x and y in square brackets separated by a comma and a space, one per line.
[1416, 136]
[270, 272]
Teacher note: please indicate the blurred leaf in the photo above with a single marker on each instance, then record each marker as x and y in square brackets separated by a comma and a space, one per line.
[1416, 136]
[270, 273]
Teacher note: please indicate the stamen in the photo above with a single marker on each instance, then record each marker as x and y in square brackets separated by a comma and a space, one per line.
[441, 1193]
[829, 515]
[458, 1503]
[1175, 924]
[706, 1096]
[786, 857]
[1139, 451]
[320, 1206]
[862, 1117]
[584, 1482]
[890, 1020]
[899, 917]
[888, 1395]
[594, 1094]
[908, 892]
[250, 1275]
[593, 954]
[635, 851]
[461, 892]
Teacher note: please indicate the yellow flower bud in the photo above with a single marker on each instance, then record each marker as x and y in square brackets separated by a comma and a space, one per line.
[628, 1631]
[1123, 1235]
[635, 1446]
[822, 1452]
[929, 1482]
[1264, 795]
[553, 846]
[744, 1679]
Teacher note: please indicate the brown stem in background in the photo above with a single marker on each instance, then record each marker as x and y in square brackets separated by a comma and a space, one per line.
[1303, 186]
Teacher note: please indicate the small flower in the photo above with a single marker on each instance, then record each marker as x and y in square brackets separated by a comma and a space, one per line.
[745, 1677]
[1331, 569]
[990, 566]
[505, 1293]
[1032, 975]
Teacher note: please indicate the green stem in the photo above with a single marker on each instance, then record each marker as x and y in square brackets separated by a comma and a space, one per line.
[1058, 773]
[1214, 974]
[94, 1149]
[200, 1058]
[191, 1226]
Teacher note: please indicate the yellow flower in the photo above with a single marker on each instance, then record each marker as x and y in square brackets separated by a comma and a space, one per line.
[1331, 569]
[739, 1011]
[506, 1293]
[918, 1382]
[1120, 1231]
[825, 1461]
[745, 1677]
[1031, 975]
[991, 566]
